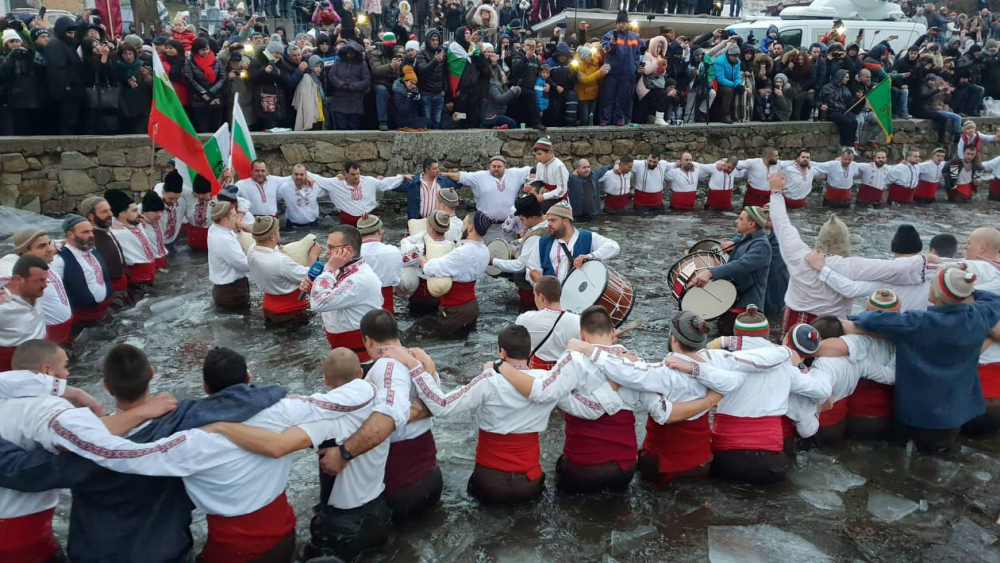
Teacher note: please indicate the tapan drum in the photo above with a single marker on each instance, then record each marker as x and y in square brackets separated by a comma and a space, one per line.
[499, 249]
[709, 302]
[596, 284]
[707, 245]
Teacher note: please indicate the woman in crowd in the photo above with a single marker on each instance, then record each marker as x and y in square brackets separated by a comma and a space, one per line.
[346, 84]
[136, 81]
[499, 96]
[173, 63]
[206, 78]
[651, 87]
[102, 117]
[25, 85]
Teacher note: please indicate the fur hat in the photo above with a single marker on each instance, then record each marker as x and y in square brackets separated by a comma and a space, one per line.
[622, 16]
[369, 224]
[561, 209]
[173, 182]
[804, 339]
[118, 200]
[834, 238]
[953, 284]
[201, 185]
[689, 329]
[751, 323]
[220, 208]
[906, 240]
[527, 206]
[22, 239]
[151, 201]
[439, 222]
[449, 197]
[883, 300]
[263, 227]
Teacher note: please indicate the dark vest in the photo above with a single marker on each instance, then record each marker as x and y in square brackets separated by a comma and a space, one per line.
[109, 250]
[582, 246]
[75, 281]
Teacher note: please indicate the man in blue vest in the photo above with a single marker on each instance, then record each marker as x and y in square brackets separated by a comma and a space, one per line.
[83, 272]
[566, 248]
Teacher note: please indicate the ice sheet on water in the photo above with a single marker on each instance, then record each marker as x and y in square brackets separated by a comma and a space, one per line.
[824, 500]
[972, 539]
[890, 508]
[13, 220]
[825, 473]
[934, 470]
[625, 541]
[759, 544]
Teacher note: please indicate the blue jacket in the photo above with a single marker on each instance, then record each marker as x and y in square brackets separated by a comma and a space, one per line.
[576, 186]
[624, 57]
[749, 262]
[777, 278]
[728, 75]
[937, 359]
[121, 518]
[411, 188]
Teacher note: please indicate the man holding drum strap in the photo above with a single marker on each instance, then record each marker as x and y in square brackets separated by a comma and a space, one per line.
[566, 247]
[747, 269]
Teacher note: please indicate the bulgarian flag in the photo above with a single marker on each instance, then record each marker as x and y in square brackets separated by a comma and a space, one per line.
[216, 153]
[241, 153]
[458, 57]
[170, 127]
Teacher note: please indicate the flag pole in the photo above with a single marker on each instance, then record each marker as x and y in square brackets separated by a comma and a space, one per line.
[111, 17]
[152, 142]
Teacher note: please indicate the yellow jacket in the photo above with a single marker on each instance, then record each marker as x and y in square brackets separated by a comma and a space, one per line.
[589, 85]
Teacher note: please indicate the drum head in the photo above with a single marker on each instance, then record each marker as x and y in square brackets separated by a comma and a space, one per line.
[584, 286]
[710, 302]
[706, 245]
[499, 250]
[700, 259]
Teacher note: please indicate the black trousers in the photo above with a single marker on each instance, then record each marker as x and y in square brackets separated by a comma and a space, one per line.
[346, 533]
[929, 440]
[750, 466]
[492, 486]
[575, 478]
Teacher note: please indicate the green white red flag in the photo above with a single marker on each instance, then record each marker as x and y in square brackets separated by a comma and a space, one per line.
[242, 153]
[216, 153]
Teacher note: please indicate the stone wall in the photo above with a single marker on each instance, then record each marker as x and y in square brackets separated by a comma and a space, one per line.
[52, 174]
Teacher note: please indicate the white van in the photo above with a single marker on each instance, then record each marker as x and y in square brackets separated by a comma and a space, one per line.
[803, 33]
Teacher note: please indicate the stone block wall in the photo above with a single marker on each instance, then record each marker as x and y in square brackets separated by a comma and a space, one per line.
[52, 174]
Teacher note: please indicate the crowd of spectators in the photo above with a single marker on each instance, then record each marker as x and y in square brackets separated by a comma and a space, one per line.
[390, 66]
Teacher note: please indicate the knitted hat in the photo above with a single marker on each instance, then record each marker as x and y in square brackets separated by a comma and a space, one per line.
[274, 47]
[883, 300]
[263, 227]
[369, 224]
[315, 60]
[953, 284]
[151, 201]
[906, 241]
[733, 49]
[487, 46]
[22, 239]
[220, 208]
[412, 46]
[118, 200]
[173, 182]
[498, 157]
[229, 193]
[201, 185]
[834, 238]
[527, 206]
[38, 32]
[751, 323]
[481, 222]
[11, 35]
[388, 39]
[439, 222]
[584, 52]
[408, 74]
[689, 329]
[544, 144]
[71, 221]
[561, 209]
[804, 339]
[88, 204]
[757, 214]
[449, 197]
[622, 16]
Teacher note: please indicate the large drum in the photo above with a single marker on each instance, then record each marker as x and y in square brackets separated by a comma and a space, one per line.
[707, 245]
[709, 302]
[596, 284]
[499, 249]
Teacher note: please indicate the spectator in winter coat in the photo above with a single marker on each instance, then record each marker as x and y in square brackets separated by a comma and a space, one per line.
[137, 90]
[769, 37]
[66, 75]
[465, 88]
[173, 63]
[266, 79]
[875, 62]
[346, 82]
[293, 69]
[180, 32]
[563, 96]
[623, 49]
[206, 78]
[406, 98]
[495, 115]
[728, 76]
[24, 81]
[237, 83]
[523, 73]
[432, 73]
[835, 99]
[783, 105]
[592, 73]
[385, 66]
[484, 19]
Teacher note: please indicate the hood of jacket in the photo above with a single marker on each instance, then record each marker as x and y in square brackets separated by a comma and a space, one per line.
[478, 18]
[658, 46]
[63, 25]
[352, 47]
[427, 41]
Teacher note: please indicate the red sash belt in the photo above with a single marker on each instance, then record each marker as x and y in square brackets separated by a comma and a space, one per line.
[648, 199]
[966, 190]
[142, 273]
[900, 194]
[995, 187]
[791, 317]
[284, 304]
[834, 415]
[246, 537]
[800, 203]
[787, 427]
[680, 446]
[410, 461]
[720, 199]
[28, 539]
[869, 194]
[120, 284]
[60, 333]
[422, 291]
[989, 378]
[742, 433]
[459, 294]
[351, 340]
[870, 399]
[608, 439]
[537, 363]
[198, 238]
[754, 196]
[681, 200]
[161, 262]
[837, 194]
[387, 303]
[552, 188]
[92, 313]
[620, 201]
[527, 299]
[346, 219]
[926, 189]
[513, 453]
[6, 355]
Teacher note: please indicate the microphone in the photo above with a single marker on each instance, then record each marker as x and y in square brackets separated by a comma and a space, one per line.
[314, 271]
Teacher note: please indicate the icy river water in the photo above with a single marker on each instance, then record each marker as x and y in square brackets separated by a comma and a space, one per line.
[861, 502]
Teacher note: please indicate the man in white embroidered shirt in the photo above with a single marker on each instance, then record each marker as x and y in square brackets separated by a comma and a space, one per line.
[127, 229]
[261, 190]
[20, 318]
[550, 326]
[354, 194]
[384, 259]
[54, 302]
[300, 195]
[227, 263]
[277, 275]
[495, 189]
[459, 308]
[566, 247]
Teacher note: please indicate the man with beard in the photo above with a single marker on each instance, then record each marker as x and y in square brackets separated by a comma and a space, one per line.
[684, 178]
[962, 176]
[524, 72]
[152, 210]
[757, 171]
[431, 71]
[566, 247]
[495, 189]
[83, 272]
[354, 194]
[127, 230]
[55, 304]
[873, 180]
[261, 190]
[198, 216]
[98, 212]
[840, 174]
[649, 176]
[21, 319]
[300, 196]
[720, 184]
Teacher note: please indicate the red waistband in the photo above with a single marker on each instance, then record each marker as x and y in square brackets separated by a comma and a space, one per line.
[6, 355]
[901, 194]
[120, 284]
[926, 189]
[351, 340]
[60, 333]
[161, 262]
[197, 237]
[989, 378]
[680, 446]
[610, 438]
[410, 461]
[422, 291]
[142, 273]
[835, 414]
[870, 399]
[347, 219]
[720, 199]
[647, 199]
[537, 363]
[995, 185]
[459, 294]
[92, 313]
[869, 194]
[620, 201]
[754, 196]
[681, 200]
[743, 433]
[787, 427]
[387, 303]
[514, 453]
[795, 203]
[284, 304]
[28, 539]
[246, 537]
[837, 194]
[966, 190]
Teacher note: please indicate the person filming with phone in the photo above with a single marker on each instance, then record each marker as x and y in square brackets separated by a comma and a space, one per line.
[623, 47]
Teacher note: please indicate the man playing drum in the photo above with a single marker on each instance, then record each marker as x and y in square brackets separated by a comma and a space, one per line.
[529, 213]
[566, 248]
[749, 262]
